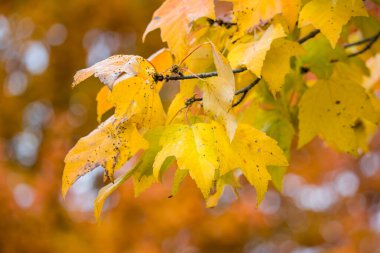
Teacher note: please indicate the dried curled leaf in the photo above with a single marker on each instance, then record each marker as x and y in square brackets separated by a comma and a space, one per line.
[111, 69]
[108, 70]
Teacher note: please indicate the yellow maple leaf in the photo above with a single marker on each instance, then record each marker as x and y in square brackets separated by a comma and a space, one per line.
[174, 18]
[277, 62]
[331, 108]
[330, 16]
[103, 102]
[256, 151]
[219, 91]
[177, 104]
[252, 54]
[251, 13]
[138, 98]
[162, 61]
[290, 11]
[201, 149]
[110, 146]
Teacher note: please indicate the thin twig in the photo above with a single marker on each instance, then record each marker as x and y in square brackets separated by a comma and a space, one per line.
[192, 100]
[363, 41]
[309, 36]
[221, 22]
[367, 47]
[245, 91]
[247, 88]
[159, 77]
[370, 41]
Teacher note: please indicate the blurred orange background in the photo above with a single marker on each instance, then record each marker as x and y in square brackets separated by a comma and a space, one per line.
[330, 202]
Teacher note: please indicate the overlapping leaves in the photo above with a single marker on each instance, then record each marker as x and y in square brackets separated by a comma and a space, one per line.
[204, 135]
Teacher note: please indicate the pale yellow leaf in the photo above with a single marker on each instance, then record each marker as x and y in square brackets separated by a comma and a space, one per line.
[256, 151]
[252, 13]
[219, 91]
[277, 62]
[331, 107]
[252, 54]
[103, 102]
[139, 98]
[330, 16]
[201, 149]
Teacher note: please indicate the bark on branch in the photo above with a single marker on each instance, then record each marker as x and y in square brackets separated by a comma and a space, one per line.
[244, 91]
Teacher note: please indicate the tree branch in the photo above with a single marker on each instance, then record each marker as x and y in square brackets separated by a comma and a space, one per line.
[309, 36]
[363, 41]
[221, 22]
[244, 91]
[160, 77]
[370, 41]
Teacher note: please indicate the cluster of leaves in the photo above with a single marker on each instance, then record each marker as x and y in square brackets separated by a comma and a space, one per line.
[248, 85]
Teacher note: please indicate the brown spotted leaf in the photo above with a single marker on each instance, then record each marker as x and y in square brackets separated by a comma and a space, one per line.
[109, 146]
